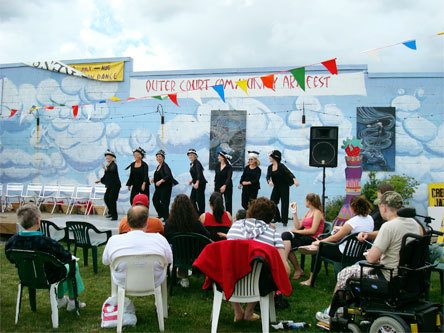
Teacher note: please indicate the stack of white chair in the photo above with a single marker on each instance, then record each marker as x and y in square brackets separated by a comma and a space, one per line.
[13, 190]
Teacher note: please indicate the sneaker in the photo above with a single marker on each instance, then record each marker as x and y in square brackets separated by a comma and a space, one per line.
[62, 302]
[184, 283]
[72, 305]
[323, 316]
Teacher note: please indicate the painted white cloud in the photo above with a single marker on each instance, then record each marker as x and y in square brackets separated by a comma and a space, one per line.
[436, 146]
[418, 167]
[421, 194]
[416, 125]
[85, 156]
[406, 103]
[298, 160]
[112, 130]
[142, 138]
[183, 131]
[436, 164]
[405, 144]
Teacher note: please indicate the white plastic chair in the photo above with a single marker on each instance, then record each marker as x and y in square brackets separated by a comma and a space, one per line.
[81, 197]
[246, 290]
[140, 282]
[97, 196]
[33, 191]
[13, 190]
[63, 195]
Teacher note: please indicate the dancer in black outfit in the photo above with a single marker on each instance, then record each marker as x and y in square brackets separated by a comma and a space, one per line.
[222, 179]
[112, 183]
[281, 179]
[197, 181]
[138, 181]
[249, 181]
[163, 181]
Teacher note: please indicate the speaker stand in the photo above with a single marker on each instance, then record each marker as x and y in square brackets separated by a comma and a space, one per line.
[323, 189]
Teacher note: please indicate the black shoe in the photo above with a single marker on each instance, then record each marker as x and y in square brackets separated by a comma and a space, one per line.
[108, 216]
[284, 224]
[113, 218]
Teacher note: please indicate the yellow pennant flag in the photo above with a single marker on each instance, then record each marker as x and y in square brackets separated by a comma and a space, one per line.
[440, 33]
[114, 98]
[243, 84]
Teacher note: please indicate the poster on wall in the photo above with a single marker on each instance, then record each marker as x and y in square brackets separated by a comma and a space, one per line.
[376, 128]
[436, 195]
[228, 133]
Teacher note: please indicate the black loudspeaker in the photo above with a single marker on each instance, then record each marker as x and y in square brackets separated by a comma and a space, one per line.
[324, 146]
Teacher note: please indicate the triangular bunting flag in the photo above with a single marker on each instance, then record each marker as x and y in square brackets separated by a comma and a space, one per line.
[102, 101]
[243, 84]
[268, 81]
[75, 110]
[88, 109]
[220, 91]
[440, 33]
[13, 112]
[157, 97]
[331, 66]
[299, 75]
[411, 44]
[114, 98]
[49, 107]
[130, 99]
[195, 94]
[173, 98]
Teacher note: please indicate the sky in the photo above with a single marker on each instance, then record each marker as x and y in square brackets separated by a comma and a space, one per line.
[196, 34]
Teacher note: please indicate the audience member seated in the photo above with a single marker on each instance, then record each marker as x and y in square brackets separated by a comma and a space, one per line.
[28, 216]
[360, 222]
[153, 224]
[183, 218]
[134, 242]
[385, 249]
[376, 215]
[304, 232]
[219, 221]
[257, 227]
[240, 215]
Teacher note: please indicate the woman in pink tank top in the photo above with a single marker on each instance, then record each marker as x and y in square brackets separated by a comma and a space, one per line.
[305, 231]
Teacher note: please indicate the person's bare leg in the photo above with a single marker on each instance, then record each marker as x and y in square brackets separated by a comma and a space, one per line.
[298, 272]
[248, 314]
[238, 312]
[308, 281]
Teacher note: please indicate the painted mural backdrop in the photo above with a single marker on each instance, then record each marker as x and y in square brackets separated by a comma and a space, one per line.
[69, 151]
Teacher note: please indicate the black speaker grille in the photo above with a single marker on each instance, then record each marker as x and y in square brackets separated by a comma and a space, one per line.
[323, 153]
[323, 146]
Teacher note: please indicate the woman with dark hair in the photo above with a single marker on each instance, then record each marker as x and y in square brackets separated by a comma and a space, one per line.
[360, 222]
[138, 181]
[163, 181]
[281, 179]
[249, 181]
[219, 221]
[222, 180]
[198, 182]
[112, 183]
[183, 218]
[304, 232]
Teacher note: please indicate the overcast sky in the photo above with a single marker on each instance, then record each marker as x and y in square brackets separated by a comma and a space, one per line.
[187, 34]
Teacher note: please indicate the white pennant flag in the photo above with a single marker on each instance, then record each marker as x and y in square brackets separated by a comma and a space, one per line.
[195, 94]
[88, 110]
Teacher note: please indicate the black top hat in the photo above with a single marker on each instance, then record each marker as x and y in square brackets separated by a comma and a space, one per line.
[109, 152]
[192, 151]
[139, 150]
[276, 155]
[161, 152]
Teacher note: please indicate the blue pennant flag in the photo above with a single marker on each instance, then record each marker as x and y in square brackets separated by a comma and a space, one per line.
[411, 44]
[220, 91]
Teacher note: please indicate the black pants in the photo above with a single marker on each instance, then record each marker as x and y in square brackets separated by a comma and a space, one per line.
[198, 198]
[110, 198]
[248, 194]
[281, 193]
[228, 199]
[161, 200]
[136, 189]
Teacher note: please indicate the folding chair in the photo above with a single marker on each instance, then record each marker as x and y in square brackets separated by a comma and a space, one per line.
[97, 195]
[32, 269]
[33, 191]
[48, 193]
[139, 281]
[81, 198]
[13, 190]
[64, 195]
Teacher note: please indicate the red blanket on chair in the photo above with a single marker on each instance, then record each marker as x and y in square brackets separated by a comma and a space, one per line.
[228, 261]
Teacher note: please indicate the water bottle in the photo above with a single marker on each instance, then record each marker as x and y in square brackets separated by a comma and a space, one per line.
[299, 325]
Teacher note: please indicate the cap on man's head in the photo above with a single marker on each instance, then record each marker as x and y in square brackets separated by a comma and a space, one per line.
[390, 198]
[141, 199]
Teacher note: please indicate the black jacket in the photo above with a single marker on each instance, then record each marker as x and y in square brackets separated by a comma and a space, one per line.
[196, 172]
[281, 177]
[253, 176]
[164, 173]
[111, 176]
[133, 180]
[223, 177]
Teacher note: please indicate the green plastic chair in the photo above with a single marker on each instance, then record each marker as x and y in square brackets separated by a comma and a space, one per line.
[32, 269]
[327, 229]
[82, 232]
[52, 230]
[186, 247]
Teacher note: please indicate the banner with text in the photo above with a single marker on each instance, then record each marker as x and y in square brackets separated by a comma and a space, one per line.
[102, 71]
[284, 85]
[436, 195]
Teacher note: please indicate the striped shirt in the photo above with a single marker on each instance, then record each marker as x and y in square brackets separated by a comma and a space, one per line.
[257, 230]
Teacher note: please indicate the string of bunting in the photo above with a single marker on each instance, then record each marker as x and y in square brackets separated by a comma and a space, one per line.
[268, 81]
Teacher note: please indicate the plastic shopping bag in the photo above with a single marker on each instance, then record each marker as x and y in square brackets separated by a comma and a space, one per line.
[109, 313]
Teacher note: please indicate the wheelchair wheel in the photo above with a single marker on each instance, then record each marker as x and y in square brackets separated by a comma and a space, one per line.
[353, 328]
[387, 324]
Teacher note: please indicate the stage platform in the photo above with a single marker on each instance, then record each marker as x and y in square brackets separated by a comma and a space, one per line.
[8, 221]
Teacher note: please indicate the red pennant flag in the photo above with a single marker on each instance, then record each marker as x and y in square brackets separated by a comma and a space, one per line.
[173, 98]
[75, 110]
[13, 112]
[268, 81]
[49, 107]
[130, 99]
[331, 66]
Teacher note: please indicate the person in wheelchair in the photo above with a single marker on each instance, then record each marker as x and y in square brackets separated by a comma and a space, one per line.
[385, 249]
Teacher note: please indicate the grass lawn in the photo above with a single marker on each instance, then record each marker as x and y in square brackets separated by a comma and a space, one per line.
[189, 309]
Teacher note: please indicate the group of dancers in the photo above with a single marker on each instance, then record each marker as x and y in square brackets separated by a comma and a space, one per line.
[278, 176]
